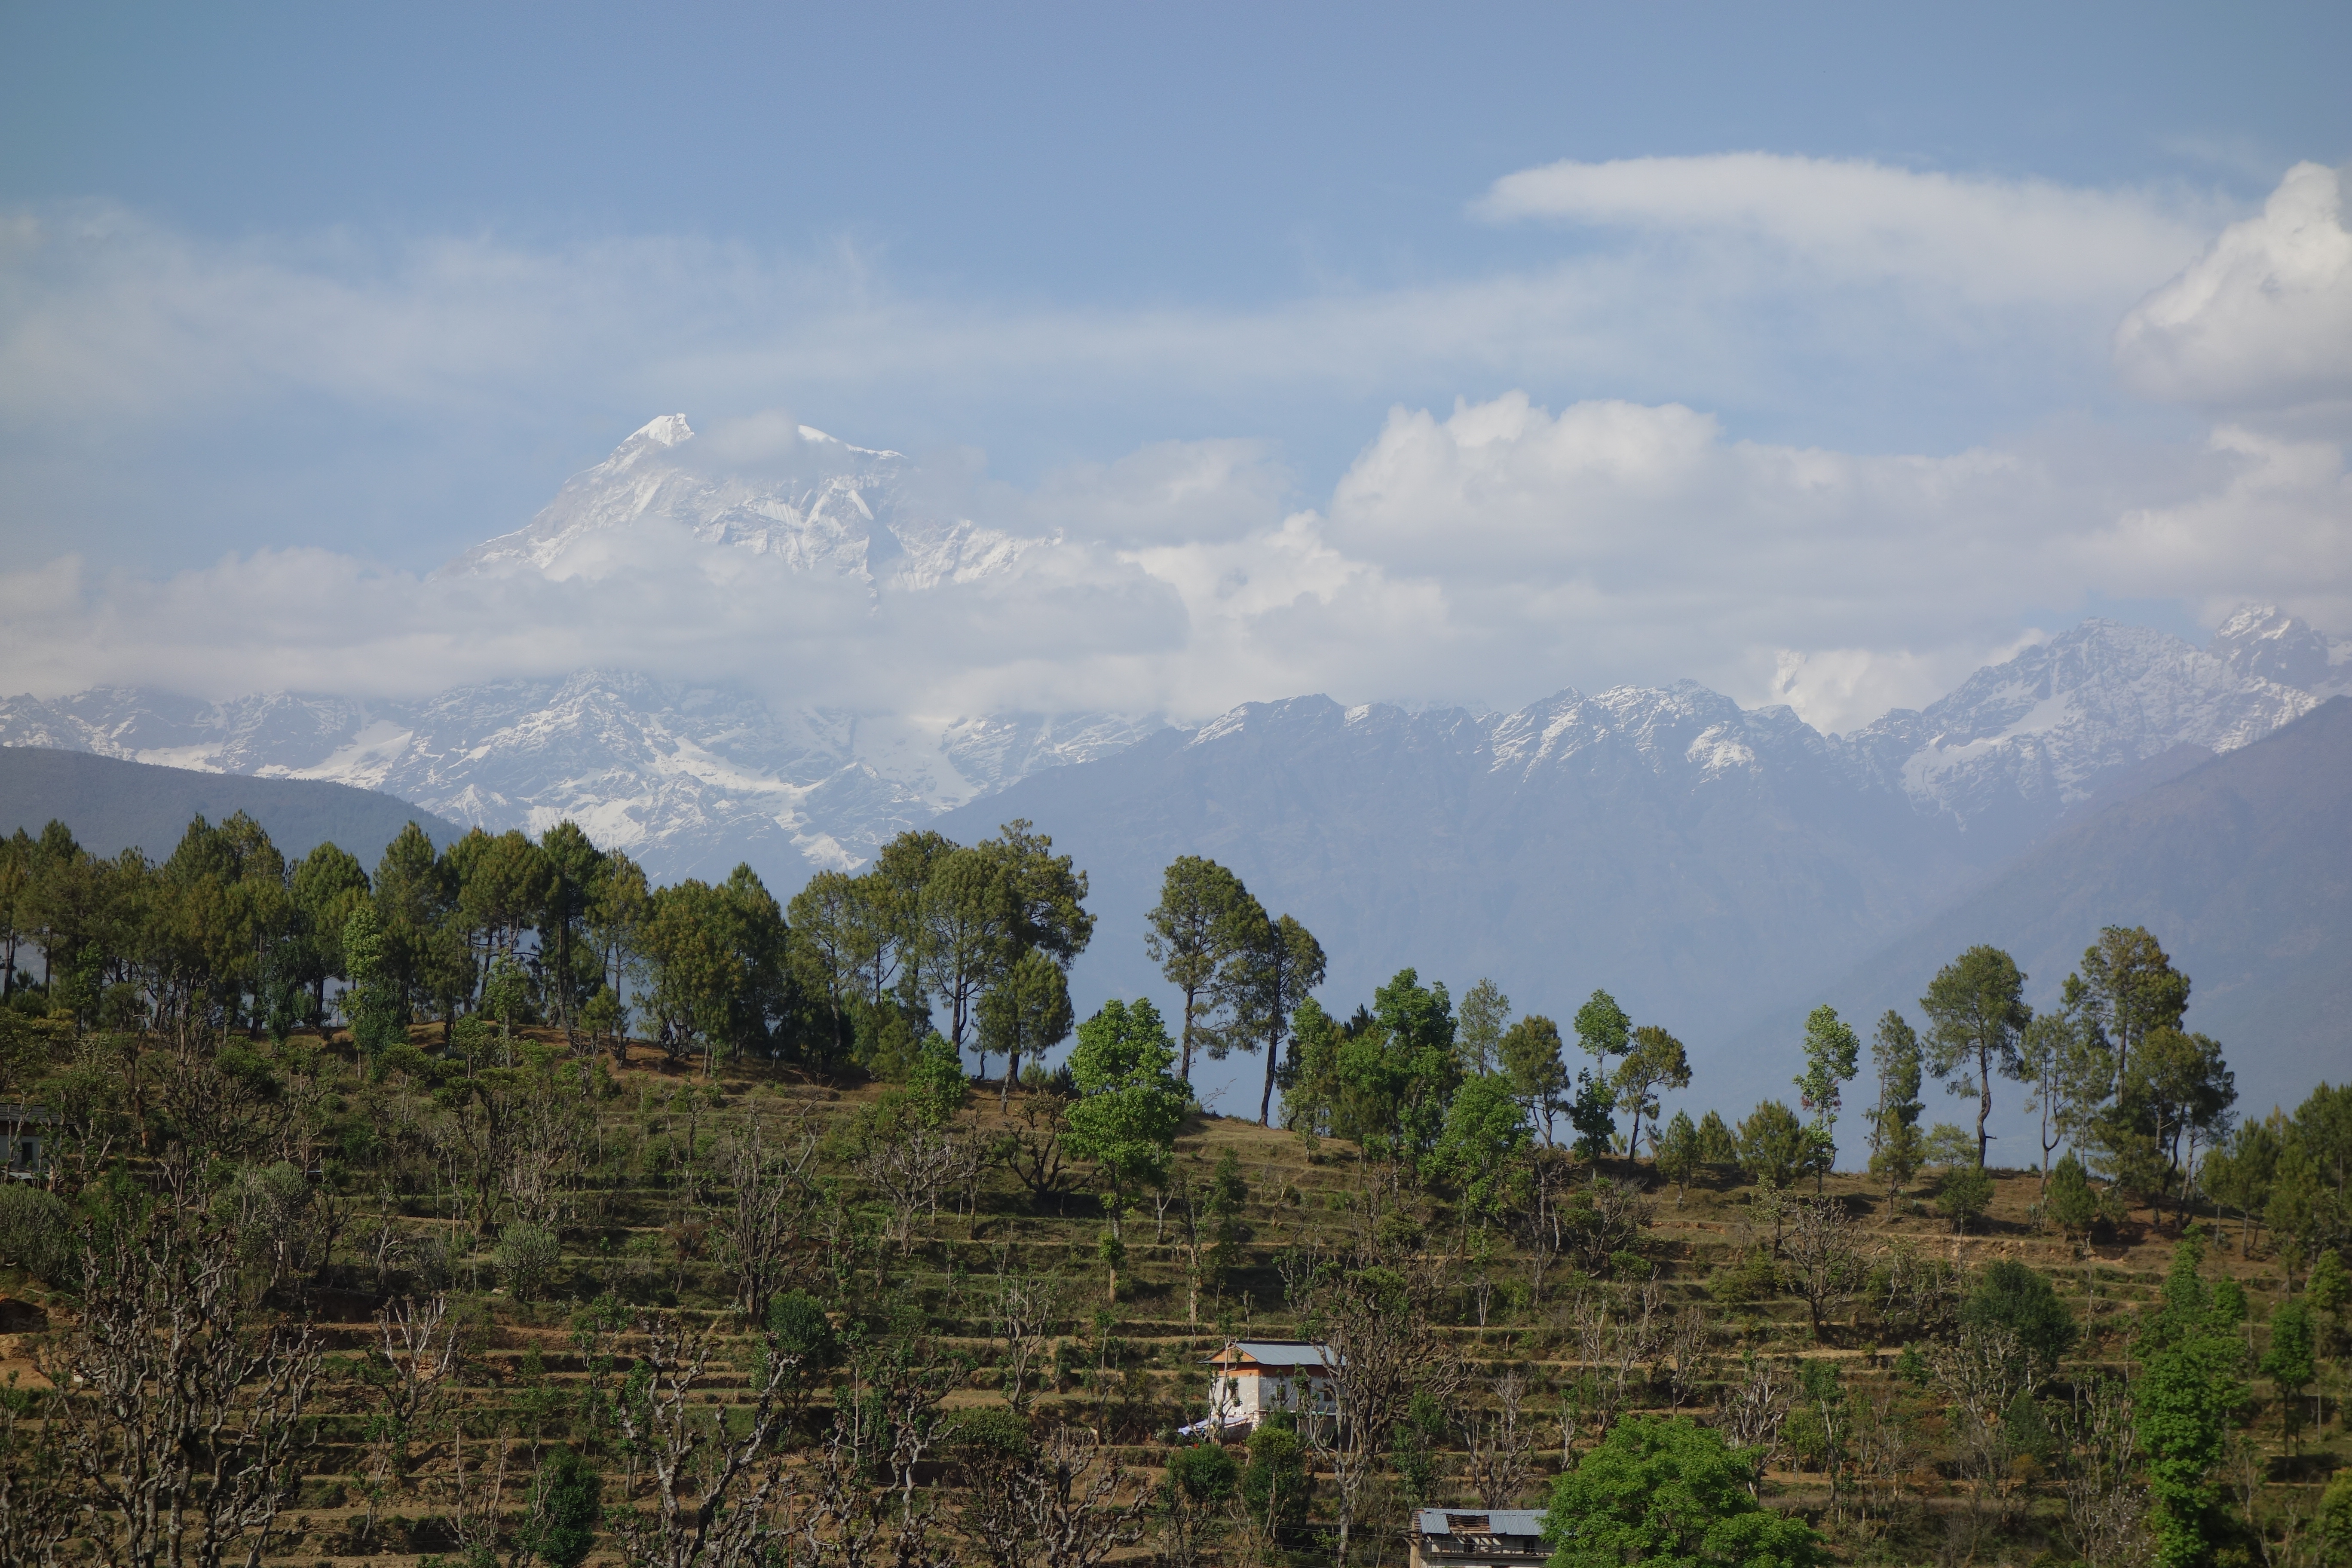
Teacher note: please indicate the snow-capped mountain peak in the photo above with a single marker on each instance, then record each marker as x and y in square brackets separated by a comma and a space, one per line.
[820, 504]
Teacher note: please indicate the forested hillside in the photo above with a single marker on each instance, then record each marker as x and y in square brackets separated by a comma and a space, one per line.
[490, 1205]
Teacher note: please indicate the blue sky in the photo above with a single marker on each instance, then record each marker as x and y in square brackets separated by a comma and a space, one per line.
[374, 282]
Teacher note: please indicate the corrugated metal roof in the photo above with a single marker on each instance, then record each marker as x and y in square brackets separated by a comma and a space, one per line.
[1283, 1353]
[1488, 1521]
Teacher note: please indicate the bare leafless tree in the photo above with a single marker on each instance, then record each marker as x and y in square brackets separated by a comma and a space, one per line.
[183, 1425]
[1023, 1312]
[1822, 1259]
[37, 1511]
[1616, 1331]
[1030, 1146]
[684, 1460]
[2107, 1505]
[1686, 1354]
[910, 1168]
[412, 1363]
[767, 1174]
[1500, 1448]
[1751, 1411]
[1370, 1307]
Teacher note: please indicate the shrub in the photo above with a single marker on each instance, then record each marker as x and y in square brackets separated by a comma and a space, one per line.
[526, 1255]
[1275, 1485]
[36, 1233]
[1669, 1491]
[2070, 1203]
[2008, 1295]
[565, 1504]
[1965, 1195]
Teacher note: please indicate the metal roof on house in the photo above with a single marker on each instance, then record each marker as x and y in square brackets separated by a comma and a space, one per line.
[1490, 1521]
[1278, 1353]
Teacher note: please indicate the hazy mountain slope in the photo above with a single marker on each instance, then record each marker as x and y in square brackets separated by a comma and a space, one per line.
[1711, 865]
[1698, 860]
[690, 780]
[112, 804]
[2243, 866]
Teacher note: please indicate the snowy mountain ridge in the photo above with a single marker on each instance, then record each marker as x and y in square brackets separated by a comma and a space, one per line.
[821, 504]
[692, 779]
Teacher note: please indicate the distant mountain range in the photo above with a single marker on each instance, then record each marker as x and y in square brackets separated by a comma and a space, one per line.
[1711, 864]
[112, 805]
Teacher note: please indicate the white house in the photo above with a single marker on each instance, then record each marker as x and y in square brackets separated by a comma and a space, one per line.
[25, 1139]
[1478, 1538]
[1255, 1378]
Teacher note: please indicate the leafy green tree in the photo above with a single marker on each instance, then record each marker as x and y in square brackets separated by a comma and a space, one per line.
[1026, 1013]
[1531, 1054]
[1190, 936]
[2290, 1360]
[2008, 1295]
[2175, 1095]
[1895, 1147]
[1273, 965]
[2126, 989]
[372, 1000]
[717, 956]
[566, 1498]
[1670, 1492]
[1775, 1147]
[1975, 1017]
[1130, 1105]
[936, 1089]
[1964, 1195]
[2239, 1172]
[1656, 1061]
[1602, 1030]
[328, 885]
[966, 920]
[1049, 892]
[2191, 1382]
[1481, 1018]
[574, 867]
[2068, 1202]
[1278, 1485]
[1481, 1149]
[1679, 1154]
[1832, 1056]
[1391, 1071]
[1716, 1146]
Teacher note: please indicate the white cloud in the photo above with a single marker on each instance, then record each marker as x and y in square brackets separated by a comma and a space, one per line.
[1497, 554]
[1990, 241]
[2263, 320]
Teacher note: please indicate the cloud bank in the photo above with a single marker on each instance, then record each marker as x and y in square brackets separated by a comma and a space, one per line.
[1490, 552]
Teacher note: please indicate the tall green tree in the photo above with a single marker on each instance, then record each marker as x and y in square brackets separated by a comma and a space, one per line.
[1129, 1106]
[2193, 1380]
[574, 866]
[1275, 964]
[1977, 1017]
[1896, 1148]
[1191, 935]
[1533, 1061]
[1656, 1061]
[1026, 1013]
[2175, 1096]
[1832, 1056]
[2126, 989]
[328, 884]
[1483, 1015]
[968, 918]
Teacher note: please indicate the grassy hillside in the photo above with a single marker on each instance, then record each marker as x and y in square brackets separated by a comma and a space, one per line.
[1657, 1300]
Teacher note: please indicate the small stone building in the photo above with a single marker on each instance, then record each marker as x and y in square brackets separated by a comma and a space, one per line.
[1487, 1538]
